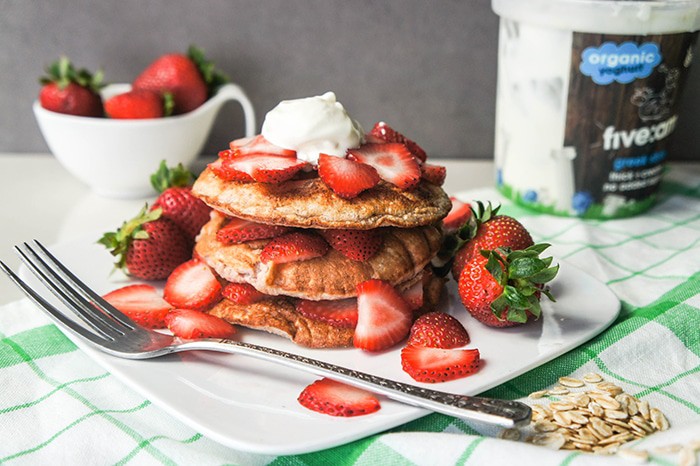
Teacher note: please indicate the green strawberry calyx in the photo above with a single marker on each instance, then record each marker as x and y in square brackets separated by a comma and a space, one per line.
[522, 274]
[118, 242]
[213, 77]
[166, 177]
[62, 73]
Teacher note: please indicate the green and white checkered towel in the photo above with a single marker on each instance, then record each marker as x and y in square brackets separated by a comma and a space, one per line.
[58, 407]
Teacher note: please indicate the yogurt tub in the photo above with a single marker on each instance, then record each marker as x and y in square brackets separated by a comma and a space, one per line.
[588, 95]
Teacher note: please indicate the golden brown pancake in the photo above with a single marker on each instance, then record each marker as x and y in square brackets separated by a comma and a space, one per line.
[403, 254]
[278, 315]
[309, 203]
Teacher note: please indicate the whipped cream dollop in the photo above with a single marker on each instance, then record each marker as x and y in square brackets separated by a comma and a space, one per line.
[311, 126]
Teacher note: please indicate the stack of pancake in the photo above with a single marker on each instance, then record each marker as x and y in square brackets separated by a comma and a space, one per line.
[407, 220]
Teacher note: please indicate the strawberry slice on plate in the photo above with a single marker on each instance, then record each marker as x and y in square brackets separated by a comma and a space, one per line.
[141, 303]
[335, 398]
[383, 132]
[432, 365]
[295, 246]
[457, 216]
[190, 324]
[258, 145]
[238, 230]
[264, 168]
[347, 178]
[358, 245]
[438, 330]
[393, 162]
[192, 285]
[242, 293]
[340, 313]
[383, 316]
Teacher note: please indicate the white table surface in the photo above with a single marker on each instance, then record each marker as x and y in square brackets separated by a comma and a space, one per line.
[40, 200]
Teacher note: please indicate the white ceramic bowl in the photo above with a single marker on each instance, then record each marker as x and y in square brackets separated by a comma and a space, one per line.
[116, 157]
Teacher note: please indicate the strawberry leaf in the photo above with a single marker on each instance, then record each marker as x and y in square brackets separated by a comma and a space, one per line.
[165, 177]
[493, 265]
[516, 315]
[538, 248]
[535, 308]
[545, 275]
[525, 267]
[213, 77]
[522, 274]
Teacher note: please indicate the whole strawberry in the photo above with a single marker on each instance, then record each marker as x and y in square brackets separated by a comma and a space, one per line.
[139, 104]
[148, 246]
[502, 287]
[176, 200]
[190, 78]
[70, 91]
[489, 231]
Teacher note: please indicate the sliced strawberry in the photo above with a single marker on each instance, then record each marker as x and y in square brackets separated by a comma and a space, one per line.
[334, 398]
[260, 146]
[295, 246]
[341, 313]
[347, 178]
[383, 316]
[414, 295]
[358, 245]
[192, 285]
[435, 174]
[226, 153]
[238, 230]
[224, 170]
[458, 216]
[386, 133]
[142, 303]
[242, 293]
[189, 324]
[393, 162]
[438, 330]
[265, 168]
[431, 365]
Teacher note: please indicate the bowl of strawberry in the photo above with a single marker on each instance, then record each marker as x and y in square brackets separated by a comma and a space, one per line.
[111, 136]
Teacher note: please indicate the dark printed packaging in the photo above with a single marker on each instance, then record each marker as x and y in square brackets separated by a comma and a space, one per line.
[584, 116]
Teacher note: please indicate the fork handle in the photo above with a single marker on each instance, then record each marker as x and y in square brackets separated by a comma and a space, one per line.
[505, 413]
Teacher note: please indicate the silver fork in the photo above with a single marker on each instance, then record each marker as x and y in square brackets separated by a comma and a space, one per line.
[114, 333]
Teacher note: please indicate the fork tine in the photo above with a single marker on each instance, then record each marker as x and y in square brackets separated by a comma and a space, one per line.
[86, 291]
[56, 315]
[60, 289]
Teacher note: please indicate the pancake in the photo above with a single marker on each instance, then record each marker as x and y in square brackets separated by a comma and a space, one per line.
[403, 254]
[309, 203]
[278, 315]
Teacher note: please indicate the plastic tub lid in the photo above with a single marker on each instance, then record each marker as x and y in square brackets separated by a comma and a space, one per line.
[630, 17]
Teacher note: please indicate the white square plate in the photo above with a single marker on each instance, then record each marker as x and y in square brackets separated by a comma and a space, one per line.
[251, 405]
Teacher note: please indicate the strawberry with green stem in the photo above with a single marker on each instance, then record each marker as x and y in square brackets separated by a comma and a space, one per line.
[191, 78]
[72, 91]
[139, 104]
[176, 200]
[148, 246]
[503, 287]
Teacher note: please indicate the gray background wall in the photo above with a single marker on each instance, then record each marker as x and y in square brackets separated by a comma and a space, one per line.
[426, 67]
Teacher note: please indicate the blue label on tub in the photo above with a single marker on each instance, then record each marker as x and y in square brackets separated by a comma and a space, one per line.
[621, 63]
